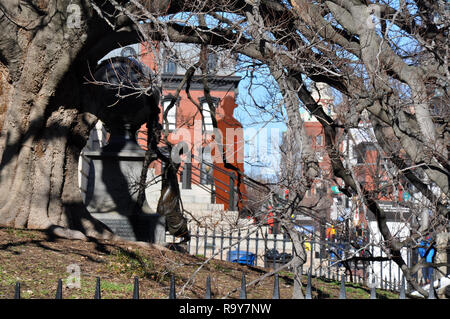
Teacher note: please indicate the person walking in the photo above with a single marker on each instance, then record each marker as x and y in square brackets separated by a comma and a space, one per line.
[427, 252]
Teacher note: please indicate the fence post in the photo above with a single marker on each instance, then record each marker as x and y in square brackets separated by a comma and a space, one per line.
[342, 290]
[230, 239]
[221, 244]
[136, 288]
[256, 248]
[402, 289]
[97, 294]
[276, 288]
[208, 288]
[172, 294]
[390, 275]
[17, 291]
[320, 257]
[274, 249]
[431, 289]
[373, 292]
[213, 241]
[243, 294]
[197, 236]
[308, 287]
[205, 240]
[248, 247]
[190, 242]
[239, 243]
[381, 270]
[59, 290]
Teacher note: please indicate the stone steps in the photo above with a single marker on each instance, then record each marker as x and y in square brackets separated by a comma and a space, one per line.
[194, 195]
[197, 202]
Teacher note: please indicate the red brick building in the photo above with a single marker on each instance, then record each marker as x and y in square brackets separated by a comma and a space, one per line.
[369, 167]
[187, 123]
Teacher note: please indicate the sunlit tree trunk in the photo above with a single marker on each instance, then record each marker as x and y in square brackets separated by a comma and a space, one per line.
[46, 113]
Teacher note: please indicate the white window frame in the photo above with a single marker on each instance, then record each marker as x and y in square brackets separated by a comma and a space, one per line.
[207, 118]
[171, 115]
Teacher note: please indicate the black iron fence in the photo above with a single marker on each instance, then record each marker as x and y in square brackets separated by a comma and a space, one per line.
[327, 260]
[242, 294]
[358, 263]
[336, 261]
[245, 247]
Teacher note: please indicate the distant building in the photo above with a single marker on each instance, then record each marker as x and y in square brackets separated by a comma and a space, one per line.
[187, 123]
[369, 169]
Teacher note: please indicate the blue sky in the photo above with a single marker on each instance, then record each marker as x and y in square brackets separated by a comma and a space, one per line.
[262, 130]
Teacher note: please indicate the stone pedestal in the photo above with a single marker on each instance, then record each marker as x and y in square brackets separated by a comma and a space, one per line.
[115, 169]
[113, 188]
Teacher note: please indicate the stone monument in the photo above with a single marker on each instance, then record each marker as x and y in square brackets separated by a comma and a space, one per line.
[116, 168]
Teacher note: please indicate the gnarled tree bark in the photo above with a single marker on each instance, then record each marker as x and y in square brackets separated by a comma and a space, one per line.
[47, 111]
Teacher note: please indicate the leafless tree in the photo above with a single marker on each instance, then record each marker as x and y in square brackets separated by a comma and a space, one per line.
[364, 50]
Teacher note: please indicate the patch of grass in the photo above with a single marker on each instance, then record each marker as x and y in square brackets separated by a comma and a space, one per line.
[27, 294]
[19, 233]
[111, 289]
[132, 263]
[45, 292]
[352, 290]
[6, 278]
[385, 294]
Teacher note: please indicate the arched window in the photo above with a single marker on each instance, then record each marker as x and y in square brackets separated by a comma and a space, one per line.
[206, 113]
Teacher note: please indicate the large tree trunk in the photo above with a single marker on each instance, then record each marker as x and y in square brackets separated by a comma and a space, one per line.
[46, 114]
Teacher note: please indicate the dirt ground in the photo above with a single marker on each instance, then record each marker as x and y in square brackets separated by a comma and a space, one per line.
[37, 261]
